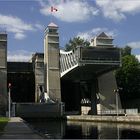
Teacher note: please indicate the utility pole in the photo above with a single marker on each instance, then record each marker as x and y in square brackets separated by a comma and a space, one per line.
[116, 91]
[9, 100]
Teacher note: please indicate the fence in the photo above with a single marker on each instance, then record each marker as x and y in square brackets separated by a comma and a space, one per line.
[132, 111]
[120, 112]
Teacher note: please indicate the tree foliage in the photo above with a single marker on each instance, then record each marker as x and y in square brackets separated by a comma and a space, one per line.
[128, 76]
[75, 42]
[126, 50]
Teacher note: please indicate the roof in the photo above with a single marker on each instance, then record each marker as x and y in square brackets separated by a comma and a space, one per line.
[103, 35]
[52, 25]
[3, 32]
[37, 54]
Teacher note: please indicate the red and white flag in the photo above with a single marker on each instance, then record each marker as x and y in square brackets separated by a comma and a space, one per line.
[53, 9]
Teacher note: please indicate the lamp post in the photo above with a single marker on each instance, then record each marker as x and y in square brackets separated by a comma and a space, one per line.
[116, 91]
[9, 100]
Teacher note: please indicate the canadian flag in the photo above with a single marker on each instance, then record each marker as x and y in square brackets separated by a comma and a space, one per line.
[53, 9]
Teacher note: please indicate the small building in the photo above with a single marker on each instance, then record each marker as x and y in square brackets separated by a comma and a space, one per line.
[102, 40]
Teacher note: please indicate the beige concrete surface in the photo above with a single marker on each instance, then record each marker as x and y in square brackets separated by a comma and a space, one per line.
[119, 119]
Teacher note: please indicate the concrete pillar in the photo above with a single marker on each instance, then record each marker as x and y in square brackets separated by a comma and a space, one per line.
[51, 62]
[38, 65]
[93, 99]
[107, 97]
[77, 97]
[3, 73]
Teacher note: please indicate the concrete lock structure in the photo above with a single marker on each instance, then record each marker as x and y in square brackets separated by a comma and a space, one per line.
[83, 79]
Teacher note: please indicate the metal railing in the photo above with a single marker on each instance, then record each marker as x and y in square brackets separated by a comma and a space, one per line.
[91, 55]
[111, 112]
[119, 112]
[68, 61]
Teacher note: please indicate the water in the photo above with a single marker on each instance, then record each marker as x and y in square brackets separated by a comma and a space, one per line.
[86, 130]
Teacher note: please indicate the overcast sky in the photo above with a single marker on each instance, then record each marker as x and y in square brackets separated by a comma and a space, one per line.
[25, 21]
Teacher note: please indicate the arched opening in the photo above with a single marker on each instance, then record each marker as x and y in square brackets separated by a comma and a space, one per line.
[79, 96]
[22, 89]
[22, 79]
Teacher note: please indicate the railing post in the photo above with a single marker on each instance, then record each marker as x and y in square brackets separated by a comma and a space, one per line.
[116, 91]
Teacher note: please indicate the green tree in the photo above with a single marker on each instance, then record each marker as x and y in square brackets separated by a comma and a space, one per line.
[126, 50]
[128, 77]
[75, 42]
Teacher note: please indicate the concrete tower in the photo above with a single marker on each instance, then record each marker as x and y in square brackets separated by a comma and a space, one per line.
[51, 62]
[38, 67]
[3, 72]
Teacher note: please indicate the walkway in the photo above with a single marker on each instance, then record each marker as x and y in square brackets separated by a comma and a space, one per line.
[18, 129]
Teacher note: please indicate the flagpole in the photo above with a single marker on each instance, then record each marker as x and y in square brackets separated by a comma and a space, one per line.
[51, 14]
[9, 97]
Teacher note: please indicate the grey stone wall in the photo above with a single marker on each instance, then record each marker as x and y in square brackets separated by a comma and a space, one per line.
[3, 73]
[107, 96]
[37, 110]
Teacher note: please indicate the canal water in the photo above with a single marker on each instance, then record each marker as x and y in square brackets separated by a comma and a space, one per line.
[85, 130]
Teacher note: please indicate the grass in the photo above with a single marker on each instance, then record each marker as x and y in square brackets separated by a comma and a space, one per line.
[3, 122]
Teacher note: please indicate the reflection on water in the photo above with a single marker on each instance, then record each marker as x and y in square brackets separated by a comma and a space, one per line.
[50, 128]
[86, 130]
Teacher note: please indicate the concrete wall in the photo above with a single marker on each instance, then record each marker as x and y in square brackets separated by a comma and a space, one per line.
[107, 97]
[91, 118]
[3, 73]
[38, 65]
[37, 110]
